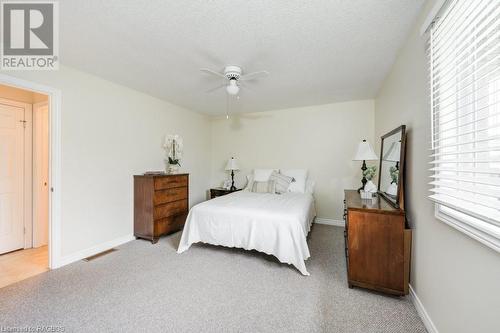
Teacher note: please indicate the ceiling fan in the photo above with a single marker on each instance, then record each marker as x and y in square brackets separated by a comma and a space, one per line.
[233, 77]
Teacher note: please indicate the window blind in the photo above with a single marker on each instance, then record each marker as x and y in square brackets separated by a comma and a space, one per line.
[464, 55]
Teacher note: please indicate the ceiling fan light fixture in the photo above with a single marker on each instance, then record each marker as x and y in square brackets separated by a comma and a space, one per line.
[232, 88]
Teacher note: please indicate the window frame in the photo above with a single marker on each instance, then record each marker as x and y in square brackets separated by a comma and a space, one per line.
[479, 229]
[471, 229]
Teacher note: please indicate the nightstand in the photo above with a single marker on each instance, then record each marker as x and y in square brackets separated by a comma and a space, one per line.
[219, 191]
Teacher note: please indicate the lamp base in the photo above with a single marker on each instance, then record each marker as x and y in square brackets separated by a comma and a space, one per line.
[233, 188]
[363, 180]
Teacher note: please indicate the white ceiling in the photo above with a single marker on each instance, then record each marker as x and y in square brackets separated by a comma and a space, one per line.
[316, 51]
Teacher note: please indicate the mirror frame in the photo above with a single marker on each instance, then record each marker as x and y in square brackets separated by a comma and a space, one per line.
[400, 192]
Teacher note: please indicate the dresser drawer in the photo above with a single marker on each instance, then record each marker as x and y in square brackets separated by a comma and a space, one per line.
[171, 182]
[178, 221]
[170, 195]
[169, 209]
[169, 224]
[162, 226]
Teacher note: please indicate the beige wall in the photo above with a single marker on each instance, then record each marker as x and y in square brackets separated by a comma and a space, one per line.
[110, 133]
[21, 95]
[322, 139]
[455, 277]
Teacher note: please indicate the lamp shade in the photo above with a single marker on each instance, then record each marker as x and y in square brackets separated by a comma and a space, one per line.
[394, 152]
[365, 152]
[232, 164]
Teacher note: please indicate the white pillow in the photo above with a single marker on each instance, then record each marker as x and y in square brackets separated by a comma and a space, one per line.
[264, 187]
[300, 176]
[248, 186]
[310, 186]
[262, 175]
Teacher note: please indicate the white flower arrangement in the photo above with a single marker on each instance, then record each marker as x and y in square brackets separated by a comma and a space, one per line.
[394, 171]
[173, 147]
[369, 173]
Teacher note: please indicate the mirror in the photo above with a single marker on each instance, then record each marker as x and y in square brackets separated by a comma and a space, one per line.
[390, 178]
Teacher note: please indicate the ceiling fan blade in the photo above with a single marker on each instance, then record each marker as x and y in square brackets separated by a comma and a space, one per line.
[246, 86]
[215, 88]
[254, 75]
[209, 71]
[250, 116]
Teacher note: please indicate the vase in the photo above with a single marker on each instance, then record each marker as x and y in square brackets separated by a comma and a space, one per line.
[172, 169]
[370, 187]
[392, 189]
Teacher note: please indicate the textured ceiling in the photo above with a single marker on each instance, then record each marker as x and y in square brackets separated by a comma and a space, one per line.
[316, 51]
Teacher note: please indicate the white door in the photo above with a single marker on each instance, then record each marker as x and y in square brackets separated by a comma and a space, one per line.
[11, 178]
[40, 174]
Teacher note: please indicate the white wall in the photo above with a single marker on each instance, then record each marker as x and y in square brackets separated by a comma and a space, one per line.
[455, 277]
[320, 138]
[110, 133]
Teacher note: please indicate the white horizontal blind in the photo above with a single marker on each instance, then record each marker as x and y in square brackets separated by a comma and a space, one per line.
[464, 53]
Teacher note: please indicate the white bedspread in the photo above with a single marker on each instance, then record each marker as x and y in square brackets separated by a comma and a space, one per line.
[270, 223]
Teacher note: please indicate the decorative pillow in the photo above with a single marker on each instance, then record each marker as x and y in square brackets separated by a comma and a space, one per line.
[282, 182]
[262, 175]
[248, 186]
[264, 187]
[300, 176]
[310, 186]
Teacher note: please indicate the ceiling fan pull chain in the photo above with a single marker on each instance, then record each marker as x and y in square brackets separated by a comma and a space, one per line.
[227, 106]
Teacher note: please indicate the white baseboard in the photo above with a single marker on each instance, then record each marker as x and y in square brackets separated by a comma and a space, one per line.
[429, 325]
[337, 223]
[93, 250]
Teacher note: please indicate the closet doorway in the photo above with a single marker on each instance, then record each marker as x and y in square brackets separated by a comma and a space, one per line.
[24, 184]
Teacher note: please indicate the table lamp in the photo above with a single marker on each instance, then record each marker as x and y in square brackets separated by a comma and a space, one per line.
[393, 155]
[232, 165]
[364, 153]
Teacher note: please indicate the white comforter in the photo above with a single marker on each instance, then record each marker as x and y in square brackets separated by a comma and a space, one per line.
[270, 223]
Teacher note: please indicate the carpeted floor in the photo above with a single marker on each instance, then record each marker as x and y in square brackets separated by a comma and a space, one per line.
[144, 287]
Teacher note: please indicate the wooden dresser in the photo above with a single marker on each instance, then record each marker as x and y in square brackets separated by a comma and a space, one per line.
[160, 205]
[377, 245]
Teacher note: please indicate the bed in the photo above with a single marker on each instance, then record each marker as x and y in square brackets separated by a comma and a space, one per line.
[276, 224]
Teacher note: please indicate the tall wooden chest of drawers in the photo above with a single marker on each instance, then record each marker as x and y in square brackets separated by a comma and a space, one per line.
[161, 205]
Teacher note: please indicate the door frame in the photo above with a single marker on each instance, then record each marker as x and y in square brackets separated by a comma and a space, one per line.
[36, 122]
[54, 161]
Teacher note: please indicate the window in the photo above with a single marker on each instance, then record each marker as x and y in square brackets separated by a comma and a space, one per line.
[464, 54]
